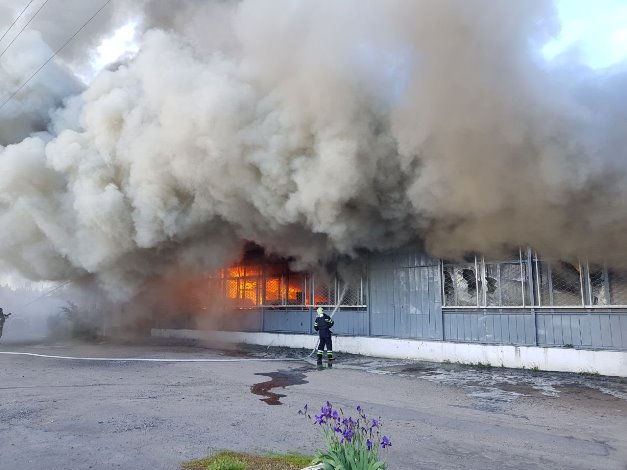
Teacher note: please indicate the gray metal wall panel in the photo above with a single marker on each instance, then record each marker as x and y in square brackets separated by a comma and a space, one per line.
[450, 326]
[514, 333]
[496, 325]
[347, 322]
[351, 322]
[568, 322]
[575, 330]
[381, 303]
[617, 340]
[623, 329]
[243, 320]
[468, 320]
[530, 329]
[521, 337]
[586, 334]
[548, 329]
[405, 290]
[504, 325]
[290, 321]
[489, 328]
[482, 327]
[587, 329]
[595, 330]
[606, 333]
[541, 333]
[474, 328]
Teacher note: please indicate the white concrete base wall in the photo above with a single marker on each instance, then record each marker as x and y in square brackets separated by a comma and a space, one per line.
[612, 363]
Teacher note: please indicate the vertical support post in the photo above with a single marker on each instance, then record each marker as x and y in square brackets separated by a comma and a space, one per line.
[499, 284]
[455, 287]
[529, 277]
[581, 283]
[522, 277]
[443, 299]
[606, 284]
[551, 296]
[533, 293]
[484, 290]
[263, 297]
[538, 295]
[361, 289]
[442, 291]
[477, 281]
[369, 304]
[310, 301]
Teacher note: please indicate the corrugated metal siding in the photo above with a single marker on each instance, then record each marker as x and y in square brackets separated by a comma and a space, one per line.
[287, 321]
[381, 301]
[591, 329]
[489, 327]
[405, 295]
[585, 329]
[351, 322]
[347, 322]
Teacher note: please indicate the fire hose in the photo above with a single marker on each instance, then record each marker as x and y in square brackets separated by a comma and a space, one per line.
[148, 359]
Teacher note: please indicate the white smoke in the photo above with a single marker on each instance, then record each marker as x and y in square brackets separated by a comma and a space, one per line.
[314, 129]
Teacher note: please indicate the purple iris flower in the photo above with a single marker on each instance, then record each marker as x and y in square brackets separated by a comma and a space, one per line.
[369, 444]
[385, 442]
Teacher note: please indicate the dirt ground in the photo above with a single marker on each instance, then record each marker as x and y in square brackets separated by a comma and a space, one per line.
[70, 414]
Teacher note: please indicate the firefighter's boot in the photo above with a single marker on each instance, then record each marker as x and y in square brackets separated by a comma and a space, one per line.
[330, 359]
[319, 361]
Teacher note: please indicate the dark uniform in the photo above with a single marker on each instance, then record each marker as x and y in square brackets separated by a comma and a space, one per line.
[323, 326]
[3, 318]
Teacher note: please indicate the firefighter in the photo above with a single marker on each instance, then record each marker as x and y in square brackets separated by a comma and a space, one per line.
[3, 318]
[323, 326]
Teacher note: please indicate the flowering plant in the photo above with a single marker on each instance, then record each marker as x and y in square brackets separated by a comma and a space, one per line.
[352, 443]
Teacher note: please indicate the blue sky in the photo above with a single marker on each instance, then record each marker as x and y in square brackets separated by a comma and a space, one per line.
[596, 28]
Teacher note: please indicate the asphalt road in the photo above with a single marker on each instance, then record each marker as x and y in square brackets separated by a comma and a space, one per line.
[67, 414]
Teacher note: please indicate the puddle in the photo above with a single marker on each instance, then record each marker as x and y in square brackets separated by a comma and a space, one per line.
[279, 379]
[492, 389]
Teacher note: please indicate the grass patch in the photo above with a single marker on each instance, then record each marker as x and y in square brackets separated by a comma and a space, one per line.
[228, 460]
[481, 365]
[586, 373]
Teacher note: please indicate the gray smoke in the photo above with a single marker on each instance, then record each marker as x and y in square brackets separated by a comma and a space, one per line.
[314, 129]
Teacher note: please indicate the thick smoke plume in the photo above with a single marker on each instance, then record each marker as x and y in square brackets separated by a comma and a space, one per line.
[312, 128]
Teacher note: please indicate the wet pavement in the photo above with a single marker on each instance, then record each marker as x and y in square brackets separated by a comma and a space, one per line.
[60, 414]
[278, 379]
[492, 389]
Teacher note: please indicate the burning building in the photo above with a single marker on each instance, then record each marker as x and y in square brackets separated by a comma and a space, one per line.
[400, 139]
[523, 300]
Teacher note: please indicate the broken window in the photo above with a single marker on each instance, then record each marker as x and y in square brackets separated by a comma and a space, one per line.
[486, 284]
